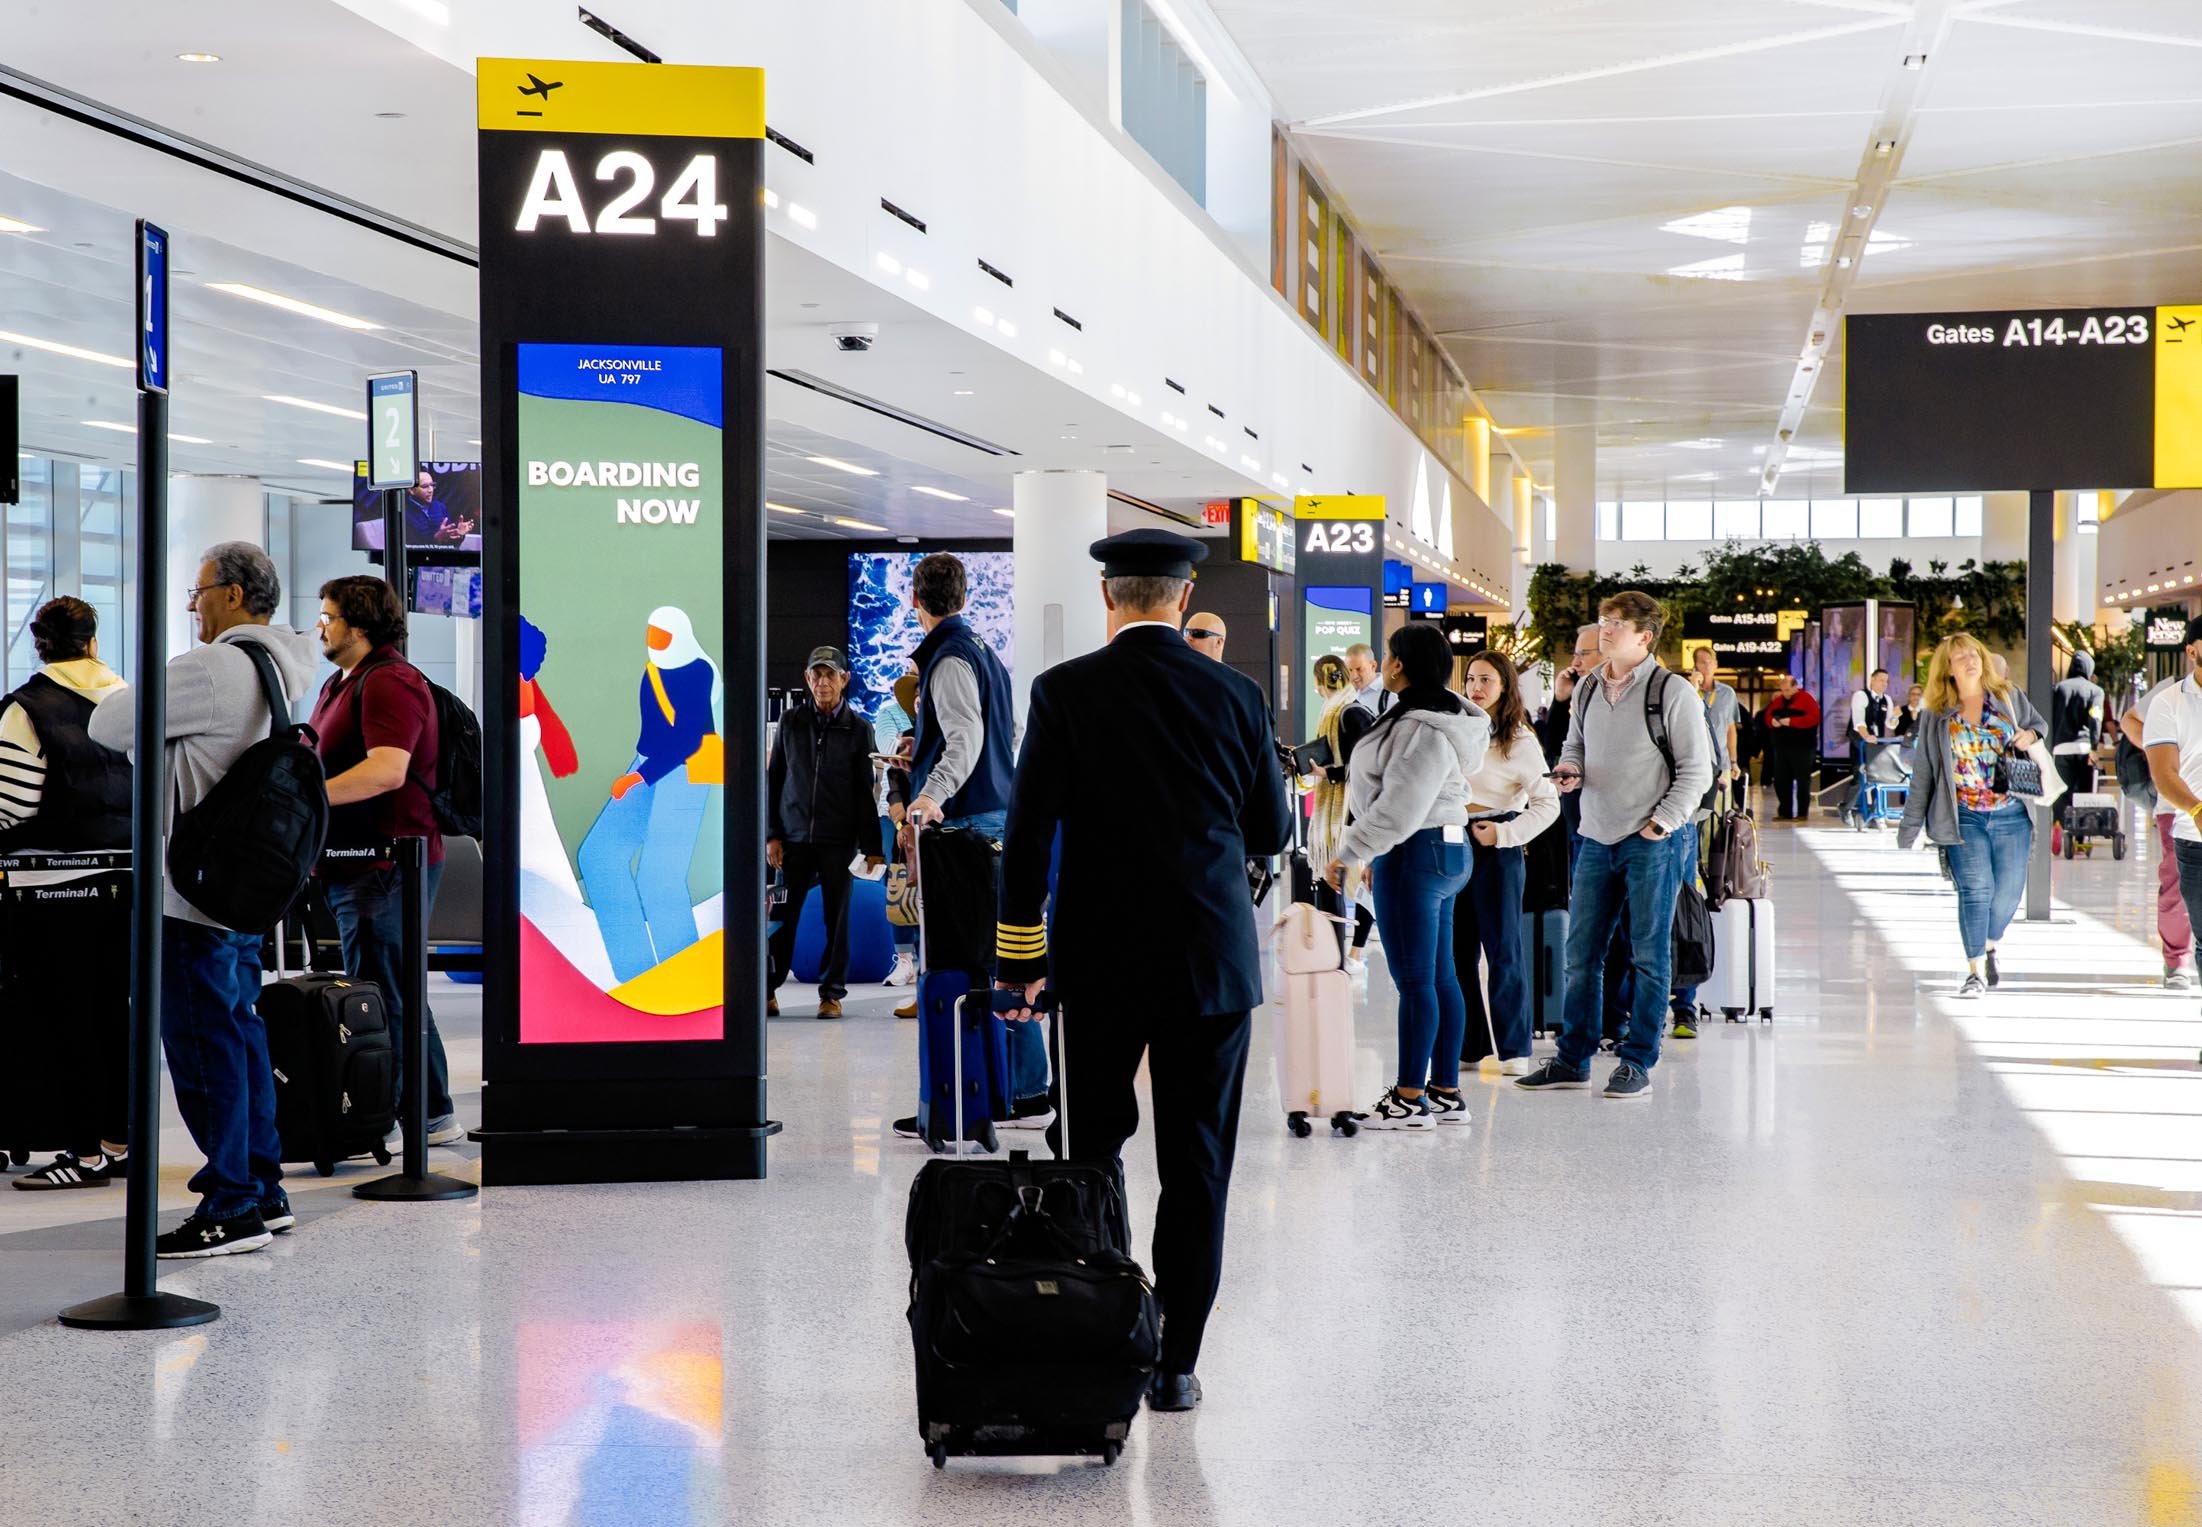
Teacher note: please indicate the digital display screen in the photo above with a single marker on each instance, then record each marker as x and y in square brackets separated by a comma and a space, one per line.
[1266, 536]
[622, 757]
[443, 509]
[1992, 401]
[393, 435]
[451, 591]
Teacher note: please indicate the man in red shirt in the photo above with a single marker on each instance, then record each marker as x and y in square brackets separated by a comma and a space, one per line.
[376, 722]
[1792, 749]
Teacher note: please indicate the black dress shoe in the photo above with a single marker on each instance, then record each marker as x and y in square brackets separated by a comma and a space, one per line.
[1173, 1391]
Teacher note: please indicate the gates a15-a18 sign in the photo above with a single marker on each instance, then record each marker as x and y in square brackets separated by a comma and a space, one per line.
[2059, 398]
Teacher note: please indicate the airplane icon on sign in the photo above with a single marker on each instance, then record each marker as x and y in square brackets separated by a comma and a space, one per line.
[541, 87]
[2179, 325]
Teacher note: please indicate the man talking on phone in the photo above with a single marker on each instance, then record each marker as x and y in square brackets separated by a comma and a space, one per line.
[1640, 753]
[820, 813]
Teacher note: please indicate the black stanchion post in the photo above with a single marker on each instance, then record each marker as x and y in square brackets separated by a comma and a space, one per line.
[415, 1181]
[393, 544]
[141, 1306]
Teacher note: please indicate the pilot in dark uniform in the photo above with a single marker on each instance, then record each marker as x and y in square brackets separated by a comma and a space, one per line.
[1160, 769]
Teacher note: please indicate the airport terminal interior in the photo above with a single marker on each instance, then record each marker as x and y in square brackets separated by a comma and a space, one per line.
[780, 435]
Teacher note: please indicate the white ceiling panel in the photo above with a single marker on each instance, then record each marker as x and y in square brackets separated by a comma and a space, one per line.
[1628, 210]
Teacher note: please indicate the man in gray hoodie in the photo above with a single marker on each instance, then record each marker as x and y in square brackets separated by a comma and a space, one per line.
[1642, 781]
[216, 1044]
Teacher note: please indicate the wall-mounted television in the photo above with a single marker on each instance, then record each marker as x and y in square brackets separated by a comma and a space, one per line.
[444, 590]
[443, 512]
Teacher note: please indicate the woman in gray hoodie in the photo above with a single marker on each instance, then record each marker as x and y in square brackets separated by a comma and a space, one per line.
[1407, 795]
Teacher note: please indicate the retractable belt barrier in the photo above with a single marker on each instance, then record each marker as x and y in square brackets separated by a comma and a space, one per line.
[413, 1182]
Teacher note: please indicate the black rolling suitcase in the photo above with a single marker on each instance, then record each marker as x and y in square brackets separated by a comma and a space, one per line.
[1036, 1333]
[336, 1079]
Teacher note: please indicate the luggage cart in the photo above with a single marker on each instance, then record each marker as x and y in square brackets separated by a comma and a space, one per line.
[1884, 784]
[2091, 818]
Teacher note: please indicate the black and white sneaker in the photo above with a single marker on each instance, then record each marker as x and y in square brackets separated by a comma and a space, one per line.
[1391, 1111]
[908, 1128]
[1445, 1107]
[1030, 1113]
[1628, 1081]
[69, 1171]
[1993, 978]
[1973, 988]
[275, 1212]
[199, 1236]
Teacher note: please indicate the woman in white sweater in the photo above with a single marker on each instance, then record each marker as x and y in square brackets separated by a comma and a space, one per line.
[1509, 802]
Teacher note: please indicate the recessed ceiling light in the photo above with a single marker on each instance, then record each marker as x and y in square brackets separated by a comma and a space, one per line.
[846, 523]
[1884, 148]
[832, 461]
[1006, 329]
[887, 263]
[55, 347]
[346, 467]
[17, 225]
[782, 508]
[963, 392]
[1863, 209]
[308, 403]
[1915, 60]
[131, 429]
[199, 58]
[1007, 514]
[1844, 262]
[290, 304]
[801, 216]
[432, 10]
[771, 197]
[953, 498]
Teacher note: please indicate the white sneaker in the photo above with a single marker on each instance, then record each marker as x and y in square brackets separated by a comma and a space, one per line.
[1358, 969]
[904, 973]
[1445, 1108]
[1517, 1066]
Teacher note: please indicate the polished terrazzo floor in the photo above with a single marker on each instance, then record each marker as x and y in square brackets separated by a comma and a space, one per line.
[1892, 1259]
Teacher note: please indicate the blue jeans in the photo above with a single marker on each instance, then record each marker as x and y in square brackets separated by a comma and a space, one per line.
[1027, 1041]
[1988, 864]
[217, 1049]
[1685, 997]
[1640, 877]
[634, 862]
[1493, 930]
[370, 921]
[1416, 885]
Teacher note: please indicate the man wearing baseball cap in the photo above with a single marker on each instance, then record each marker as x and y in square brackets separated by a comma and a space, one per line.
[820, 813]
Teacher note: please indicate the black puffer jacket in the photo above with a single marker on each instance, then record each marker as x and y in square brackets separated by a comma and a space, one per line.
[819, 782]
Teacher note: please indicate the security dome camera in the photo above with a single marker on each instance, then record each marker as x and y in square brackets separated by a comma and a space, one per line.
[854, 338]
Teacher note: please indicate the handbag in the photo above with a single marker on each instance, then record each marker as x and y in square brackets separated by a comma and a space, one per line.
[2021, 775]
[902, 907]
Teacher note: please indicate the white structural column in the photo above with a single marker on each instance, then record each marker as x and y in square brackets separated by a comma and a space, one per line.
[1575, 485]
[1056, 583]
[203, 512]
[2065, 589]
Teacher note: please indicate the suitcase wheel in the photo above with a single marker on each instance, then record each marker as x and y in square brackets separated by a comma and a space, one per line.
[1346, 1124]
[1298, 1124]
[1766, 1015]
[2118, 846]
[20, 1158]
[1733, 1014]
[325, 1168]
[1110, 1451]
[939, 1454]
[382, 1155]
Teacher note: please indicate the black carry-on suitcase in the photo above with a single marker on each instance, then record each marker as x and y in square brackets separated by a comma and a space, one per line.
[336, 1079]
[1036, 1333]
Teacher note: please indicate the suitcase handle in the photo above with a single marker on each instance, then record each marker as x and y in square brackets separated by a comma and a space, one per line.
[1059, 1137]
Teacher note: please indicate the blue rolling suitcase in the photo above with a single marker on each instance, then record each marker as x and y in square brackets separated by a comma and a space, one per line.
[963, 1048]
[1544, 946]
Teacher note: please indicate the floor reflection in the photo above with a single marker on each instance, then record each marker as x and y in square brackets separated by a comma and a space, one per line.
[619, 1423]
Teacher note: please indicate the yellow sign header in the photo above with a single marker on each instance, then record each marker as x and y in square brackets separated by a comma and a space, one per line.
[2179, 397]
[539, 95]
[1339, 506]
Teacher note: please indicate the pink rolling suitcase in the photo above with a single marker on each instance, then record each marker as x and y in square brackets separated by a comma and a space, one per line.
[1313, 1035]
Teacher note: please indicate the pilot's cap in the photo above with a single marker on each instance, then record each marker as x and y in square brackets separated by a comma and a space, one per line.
[1147, 554]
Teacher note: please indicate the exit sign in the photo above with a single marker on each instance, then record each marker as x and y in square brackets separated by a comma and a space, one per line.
[1217, 511]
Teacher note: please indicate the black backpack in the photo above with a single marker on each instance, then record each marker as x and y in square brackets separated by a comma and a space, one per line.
[244, 853]
[1693, 938]
[457, 798]
[2133, 774]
